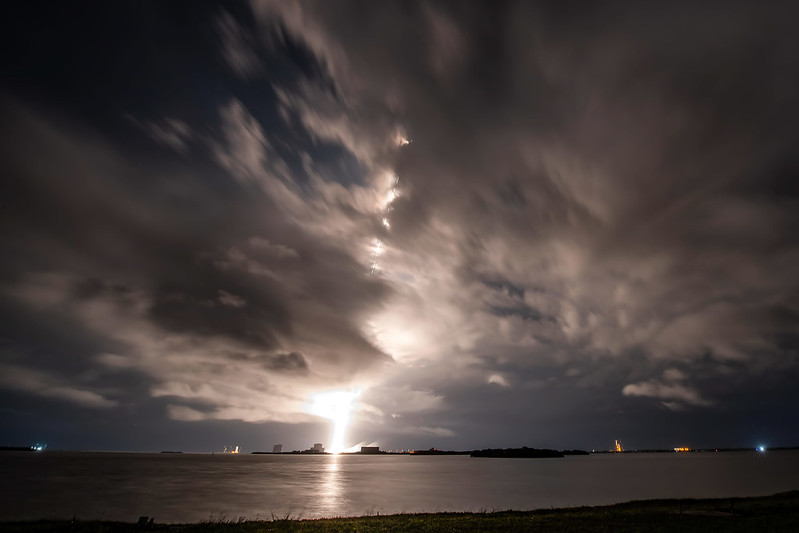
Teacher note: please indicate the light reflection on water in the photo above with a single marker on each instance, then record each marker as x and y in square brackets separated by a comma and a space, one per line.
[195, 487]
[330, 497]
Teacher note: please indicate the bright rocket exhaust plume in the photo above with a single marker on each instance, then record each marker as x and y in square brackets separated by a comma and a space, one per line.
[335, 406]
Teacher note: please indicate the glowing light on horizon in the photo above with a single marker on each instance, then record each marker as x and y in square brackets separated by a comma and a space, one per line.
[335, 406]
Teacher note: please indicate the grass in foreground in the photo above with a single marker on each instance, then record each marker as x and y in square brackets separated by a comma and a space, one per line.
[769, 513]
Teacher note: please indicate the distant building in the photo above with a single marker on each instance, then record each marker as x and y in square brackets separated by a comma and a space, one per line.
[318, 448]
[277, 448]
[619, 446]
[370, 449]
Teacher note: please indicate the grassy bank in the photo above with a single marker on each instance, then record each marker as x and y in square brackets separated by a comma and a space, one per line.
[770, 513]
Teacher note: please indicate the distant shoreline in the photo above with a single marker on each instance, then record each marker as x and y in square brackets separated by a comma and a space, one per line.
[534, 452]
[475, 453]
[775, 512]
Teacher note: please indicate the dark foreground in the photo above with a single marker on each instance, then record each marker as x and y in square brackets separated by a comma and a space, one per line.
[769, 513]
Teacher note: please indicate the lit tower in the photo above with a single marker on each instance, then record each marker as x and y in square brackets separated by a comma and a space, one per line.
[619, 447]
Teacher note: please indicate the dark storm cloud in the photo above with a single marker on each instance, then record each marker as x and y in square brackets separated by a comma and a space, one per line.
[593, 234]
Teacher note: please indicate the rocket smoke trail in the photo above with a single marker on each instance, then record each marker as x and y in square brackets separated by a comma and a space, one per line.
[401, 141]
[378, 248]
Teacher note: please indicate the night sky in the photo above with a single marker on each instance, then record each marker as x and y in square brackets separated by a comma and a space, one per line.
[504, 223]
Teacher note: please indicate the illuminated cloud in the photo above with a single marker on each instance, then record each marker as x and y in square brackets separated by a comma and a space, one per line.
[498, 379]
[225, 298]
[244, 150]
[40, 384]
[672, 394]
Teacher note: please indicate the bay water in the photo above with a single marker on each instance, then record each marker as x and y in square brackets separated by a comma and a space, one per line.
[196, 487]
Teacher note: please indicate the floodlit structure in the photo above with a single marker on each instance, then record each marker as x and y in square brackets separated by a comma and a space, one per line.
[619, 446]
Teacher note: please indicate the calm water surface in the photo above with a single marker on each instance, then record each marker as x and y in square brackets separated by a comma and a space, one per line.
[194, 487]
